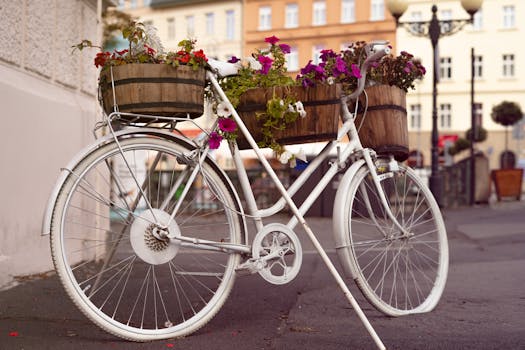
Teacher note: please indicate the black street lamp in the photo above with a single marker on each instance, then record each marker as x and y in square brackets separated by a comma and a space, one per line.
[434, 30]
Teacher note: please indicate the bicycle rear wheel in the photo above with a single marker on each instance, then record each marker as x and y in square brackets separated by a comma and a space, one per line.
[398, 273]
[109, 254]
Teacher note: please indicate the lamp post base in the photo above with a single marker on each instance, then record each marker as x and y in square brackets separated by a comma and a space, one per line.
[435, 183]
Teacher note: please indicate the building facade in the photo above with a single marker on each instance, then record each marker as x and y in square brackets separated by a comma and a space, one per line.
[310, 26]
[215, 24]
[49, 107]
[498, 68]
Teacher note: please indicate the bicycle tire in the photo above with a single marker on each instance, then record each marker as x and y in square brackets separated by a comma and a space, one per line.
[138, 287]
[397, 275]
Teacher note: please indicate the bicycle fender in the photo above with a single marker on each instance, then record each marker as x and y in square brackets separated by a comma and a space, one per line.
[338, 221]
[46, 223]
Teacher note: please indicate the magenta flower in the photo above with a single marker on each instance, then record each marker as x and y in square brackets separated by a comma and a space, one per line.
[266, 63]
[406, 69]
[285, 48]
[215, 140]
[272, 40]
[233, 59]
[339, 66]
[327, 54]
[227, 124]
[356, 72]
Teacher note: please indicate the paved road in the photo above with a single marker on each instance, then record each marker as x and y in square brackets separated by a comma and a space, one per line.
[483, 306]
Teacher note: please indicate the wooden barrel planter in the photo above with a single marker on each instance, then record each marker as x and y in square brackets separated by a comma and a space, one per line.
[154, 89]
[321, 103]
[384, 127]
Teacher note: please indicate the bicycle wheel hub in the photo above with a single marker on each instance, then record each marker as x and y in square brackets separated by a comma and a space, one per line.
[149, 239]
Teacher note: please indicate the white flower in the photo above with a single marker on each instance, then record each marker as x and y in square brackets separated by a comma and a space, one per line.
[290, 108]
[300, 109]
[254, 64]
[293, 162]
[223, 110]
[301, 155]
[281, 102]
[330, 80]
[285, 157]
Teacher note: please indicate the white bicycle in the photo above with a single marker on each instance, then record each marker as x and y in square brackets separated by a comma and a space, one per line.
[148, 233]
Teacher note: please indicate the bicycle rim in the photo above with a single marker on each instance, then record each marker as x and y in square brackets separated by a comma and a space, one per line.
[136, 285]
[399, 274]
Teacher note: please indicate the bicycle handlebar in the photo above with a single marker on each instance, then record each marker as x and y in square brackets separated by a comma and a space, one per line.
[375, 51]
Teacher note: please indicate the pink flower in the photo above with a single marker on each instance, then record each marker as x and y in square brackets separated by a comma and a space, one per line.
[234, 59]
[272, 40]
[215, 140]
[227, 124]
[356, 72]
[285, 48]
[266, 63]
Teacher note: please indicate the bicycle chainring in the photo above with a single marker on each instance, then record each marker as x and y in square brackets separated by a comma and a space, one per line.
[279, 250]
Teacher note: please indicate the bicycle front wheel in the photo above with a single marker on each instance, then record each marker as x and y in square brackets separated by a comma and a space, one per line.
[398, 272]
[109, 251]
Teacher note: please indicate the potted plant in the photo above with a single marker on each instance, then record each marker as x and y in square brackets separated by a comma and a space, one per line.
[385, 126]
[508, 180]
[275, 108]
[144, 79]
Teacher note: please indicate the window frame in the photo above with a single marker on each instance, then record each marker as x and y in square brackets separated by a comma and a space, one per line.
[265, 18]
[291, 15]
[445, 116]
[230, 24]
[445, 66]
[377, 10]
[348, 14]
[319, 13]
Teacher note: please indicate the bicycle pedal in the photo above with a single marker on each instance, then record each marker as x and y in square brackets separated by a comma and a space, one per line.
[250, 267]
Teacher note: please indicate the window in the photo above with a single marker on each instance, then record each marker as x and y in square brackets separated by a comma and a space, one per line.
[210, 23]
[292, 60]
[265, 18]
[133, 4]
[291, 16]
[171, 28]
[190, 25]
[121, 4]
[377, 10]
[316, 54]
[445, 21]
[347, 11]
[445, 116]
[416, 16]
[508, 65]
[319, 13]
[230, 24]
[478, 67]
[508, 17]
[415, 116]
[445, 68]
[147, 2]
[477, 23]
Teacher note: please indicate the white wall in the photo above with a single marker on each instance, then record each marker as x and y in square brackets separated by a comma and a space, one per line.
[48, 108]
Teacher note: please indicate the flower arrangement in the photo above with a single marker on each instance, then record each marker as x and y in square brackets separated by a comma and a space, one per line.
[266, 69]
[144, 46]
[344, 68]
